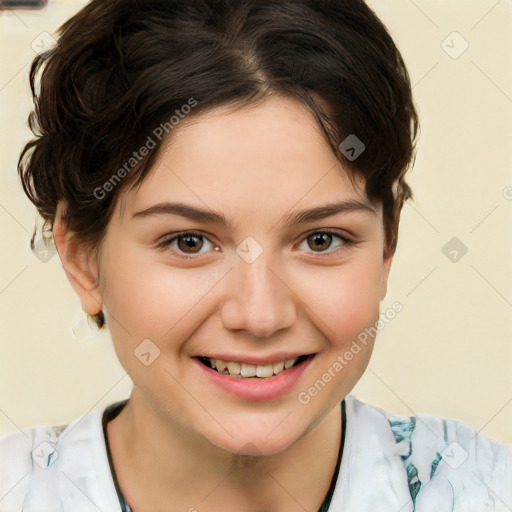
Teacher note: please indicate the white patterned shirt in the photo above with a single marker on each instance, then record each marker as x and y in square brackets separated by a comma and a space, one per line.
[420, 463]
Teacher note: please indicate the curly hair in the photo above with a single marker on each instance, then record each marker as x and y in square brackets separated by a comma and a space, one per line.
[121, 68]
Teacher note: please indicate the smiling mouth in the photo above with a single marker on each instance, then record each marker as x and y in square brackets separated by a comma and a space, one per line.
[243, 370]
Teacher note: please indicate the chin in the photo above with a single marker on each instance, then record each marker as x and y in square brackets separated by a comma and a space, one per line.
[256, 446]
[257, 441]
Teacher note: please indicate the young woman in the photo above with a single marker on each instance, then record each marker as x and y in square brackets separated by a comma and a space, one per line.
[224, 181]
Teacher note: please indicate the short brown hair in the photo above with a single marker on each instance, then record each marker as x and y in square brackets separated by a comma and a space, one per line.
[121, 68]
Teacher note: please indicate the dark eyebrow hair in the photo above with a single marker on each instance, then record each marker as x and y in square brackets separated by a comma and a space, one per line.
[321, 212]
[296, 218]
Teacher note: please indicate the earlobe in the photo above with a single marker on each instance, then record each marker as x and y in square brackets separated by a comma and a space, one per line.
[79, 264]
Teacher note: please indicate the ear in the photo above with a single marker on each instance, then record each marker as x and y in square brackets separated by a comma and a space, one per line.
[79, 263]
[386, 267]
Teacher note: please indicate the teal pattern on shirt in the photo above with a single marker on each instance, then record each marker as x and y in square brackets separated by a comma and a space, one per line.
[403, 430]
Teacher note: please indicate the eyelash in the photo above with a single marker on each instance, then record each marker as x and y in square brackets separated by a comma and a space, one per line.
[167, 241]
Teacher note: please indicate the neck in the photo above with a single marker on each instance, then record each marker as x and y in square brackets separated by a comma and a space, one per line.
[158, 463]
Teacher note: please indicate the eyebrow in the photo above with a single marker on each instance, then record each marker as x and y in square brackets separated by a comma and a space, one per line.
[291, 219]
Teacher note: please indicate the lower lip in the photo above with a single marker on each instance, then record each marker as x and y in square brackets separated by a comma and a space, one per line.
[257, 388]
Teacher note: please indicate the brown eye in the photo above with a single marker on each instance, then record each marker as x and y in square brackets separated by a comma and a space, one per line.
[190, 243]
[319, 241]
[187, 245]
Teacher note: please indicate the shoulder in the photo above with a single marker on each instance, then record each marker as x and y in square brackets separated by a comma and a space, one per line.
[56, 468]
[442, 460]
[23, 455]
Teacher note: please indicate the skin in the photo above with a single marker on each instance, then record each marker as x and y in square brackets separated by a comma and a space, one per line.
[180, 440]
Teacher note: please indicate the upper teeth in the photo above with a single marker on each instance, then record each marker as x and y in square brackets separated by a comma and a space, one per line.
[251, 370]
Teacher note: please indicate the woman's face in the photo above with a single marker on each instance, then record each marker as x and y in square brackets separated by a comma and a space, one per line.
[257, 279]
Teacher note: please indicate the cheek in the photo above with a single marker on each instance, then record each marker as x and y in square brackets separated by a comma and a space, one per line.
[346, 299]
[347, 304]
[154, 300]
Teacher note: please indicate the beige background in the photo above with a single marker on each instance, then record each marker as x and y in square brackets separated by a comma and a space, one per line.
[448, 353]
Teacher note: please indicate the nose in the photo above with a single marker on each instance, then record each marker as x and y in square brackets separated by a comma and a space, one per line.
[258, 299]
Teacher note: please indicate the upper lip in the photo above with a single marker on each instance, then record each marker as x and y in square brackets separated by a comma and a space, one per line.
[256, 359]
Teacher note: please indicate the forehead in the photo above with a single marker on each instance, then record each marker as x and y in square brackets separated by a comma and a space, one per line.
[270, 155]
